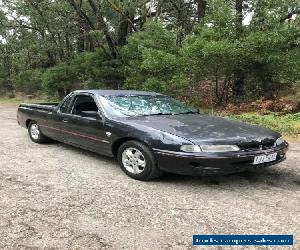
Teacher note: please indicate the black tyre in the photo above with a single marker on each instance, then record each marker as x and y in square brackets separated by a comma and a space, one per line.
[137, 161]
[36, 134]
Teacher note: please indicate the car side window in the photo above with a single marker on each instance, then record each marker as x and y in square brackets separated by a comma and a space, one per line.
[84, 106]
[64, 108]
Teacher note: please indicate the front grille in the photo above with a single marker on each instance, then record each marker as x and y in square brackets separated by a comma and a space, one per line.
[256, 146]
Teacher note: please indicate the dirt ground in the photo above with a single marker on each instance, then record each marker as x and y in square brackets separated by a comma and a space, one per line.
[58, 197]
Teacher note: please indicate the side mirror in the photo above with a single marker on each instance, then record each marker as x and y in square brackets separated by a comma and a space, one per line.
[91, 114]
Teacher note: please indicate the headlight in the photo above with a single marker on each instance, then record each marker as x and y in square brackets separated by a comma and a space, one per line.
[190, 148]
[209, 148]
[279, 141]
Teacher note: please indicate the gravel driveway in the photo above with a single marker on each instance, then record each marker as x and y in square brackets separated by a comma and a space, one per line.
[58, 197]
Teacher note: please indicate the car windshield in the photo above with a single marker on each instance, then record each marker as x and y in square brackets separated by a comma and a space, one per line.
[143, 105]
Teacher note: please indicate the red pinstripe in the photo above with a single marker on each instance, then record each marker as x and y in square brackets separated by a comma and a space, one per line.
[73, 133]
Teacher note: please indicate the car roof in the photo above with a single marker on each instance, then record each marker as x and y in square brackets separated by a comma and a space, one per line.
[110, 92]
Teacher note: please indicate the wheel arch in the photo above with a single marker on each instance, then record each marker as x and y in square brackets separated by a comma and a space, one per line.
[116, 145]
[27, 122]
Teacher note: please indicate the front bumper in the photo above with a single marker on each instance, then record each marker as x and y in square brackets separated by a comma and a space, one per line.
[203, 164]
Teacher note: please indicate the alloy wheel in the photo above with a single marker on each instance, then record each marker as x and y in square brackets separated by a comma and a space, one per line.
[35, 131]
[133, 160]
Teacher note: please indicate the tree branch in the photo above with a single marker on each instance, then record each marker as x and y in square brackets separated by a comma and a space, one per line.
[81, 14]
[116, 8]
[104, 27]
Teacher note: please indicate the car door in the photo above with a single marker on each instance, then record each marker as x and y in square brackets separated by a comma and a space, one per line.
[51, 126]
[85, 131]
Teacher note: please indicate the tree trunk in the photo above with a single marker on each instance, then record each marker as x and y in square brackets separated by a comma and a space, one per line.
[81, 14]
[91, 44]
[61, 51]
[123, 30]
[80, 43]
[239, 16]
[201, 8]
[68, 46]
[238, 84]
[103, 26]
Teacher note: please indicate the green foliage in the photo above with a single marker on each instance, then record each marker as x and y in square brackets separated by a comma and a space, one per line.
[98, 67]
[86, 70]
[286, 124]
[154, 36]
[272, 55]
[150, 58]
[158, 61]
[29, 81]
[176, 47]
[220, 17]
[154, 84]
[268, 60]
[60, 78]
[209, 59]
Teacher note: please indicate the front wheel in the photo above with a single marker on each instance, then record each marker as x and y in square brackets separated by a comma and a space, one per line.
[35, 133]
[137, 161]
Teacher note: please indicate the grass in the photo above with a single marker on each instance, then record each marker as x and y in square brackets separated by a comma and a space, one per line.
[288, 125]
[17, 100]
[6, 100]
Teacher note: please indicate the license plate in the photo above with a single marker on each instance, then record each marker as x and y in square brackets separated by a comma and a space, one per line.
[264, 158]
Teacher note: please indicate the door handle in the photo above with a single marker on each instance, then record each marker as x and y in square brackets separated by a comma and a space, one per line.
[65, 120]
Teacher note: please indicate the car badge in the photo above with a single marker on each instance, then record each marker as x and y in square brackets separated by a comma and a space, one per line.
[108, 134]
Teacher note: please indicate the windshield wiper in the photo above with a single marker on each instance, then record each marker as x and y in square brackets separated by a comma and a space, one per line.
[180, 113]
[188, 112]
[160, 113]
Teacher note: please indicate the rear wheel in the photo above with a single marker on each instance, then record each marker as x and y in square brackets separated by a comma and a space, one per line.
[35, 133]
[137, 161]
